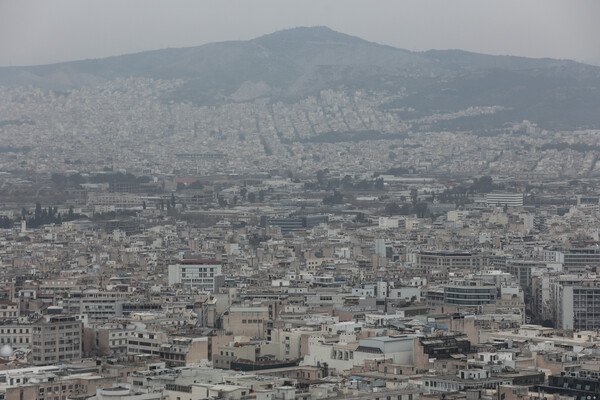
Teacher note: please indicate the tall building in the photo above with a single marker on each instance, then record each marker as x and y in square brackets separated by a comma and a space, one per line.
[522, 271]
[56, 339]
[197, 274]
[579, 307]
[380, 249]
[98, 305]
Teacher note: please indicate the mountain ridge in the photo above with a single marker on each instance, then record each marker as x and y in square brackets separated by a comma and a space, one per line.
[294, 63]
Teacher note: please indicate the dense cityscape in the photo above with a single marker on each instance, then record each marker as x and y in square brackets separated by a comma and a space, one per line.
[327, 247]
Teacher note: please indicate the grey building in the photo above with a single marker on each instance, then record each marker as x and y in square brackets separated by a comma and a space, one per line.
[470, 295]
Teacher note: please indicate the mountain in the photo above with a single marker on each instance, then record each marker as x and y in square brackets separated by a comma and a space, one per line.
[291, 64]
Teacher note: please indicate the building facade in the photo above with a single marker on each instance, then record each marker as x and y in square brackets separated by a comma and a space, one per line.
[55, 339]
[197, 274]
[504, 199]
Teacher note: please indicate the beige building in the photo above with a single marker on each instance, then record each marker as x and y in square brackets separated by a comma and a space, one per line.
[253, 352]
[147, 343]
[59, 284]
[246, 321]
[184, 350]
[313, 264]
[107, 339]
[55, 339]
[8, 310]
[293, 343]
[16, 335]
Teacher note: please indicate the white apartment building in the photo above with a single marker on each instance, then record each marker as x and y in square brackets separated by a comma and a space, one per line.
[196, 274]
[504, 199]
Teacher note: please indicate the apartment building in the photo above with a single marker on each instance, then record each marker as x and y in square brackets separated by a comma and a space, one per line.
[184, 350]
[98, 305]
[8, 310]
[197, 274]
[17, 335]
[147, 343]
[55, 339]
[107, 339]
[434, 260]
[579, 307]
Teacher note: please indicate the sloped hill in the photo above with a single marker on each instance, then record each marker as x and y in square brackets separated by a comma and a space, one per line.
[295, 63]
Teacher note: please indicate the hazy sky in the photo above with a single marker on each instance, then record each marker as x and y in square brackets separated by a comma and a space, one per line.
[47, 31]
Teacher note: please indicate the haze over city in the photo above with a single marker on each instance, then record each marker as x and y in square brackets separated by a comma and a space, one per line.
[41, 32]
[299, 200]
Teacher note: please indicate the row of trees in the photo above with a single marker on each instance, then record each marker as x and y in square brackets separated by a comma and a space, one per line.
[349, 184]
[419, 208]
[252, 197]
[461, 194]
[42, 216]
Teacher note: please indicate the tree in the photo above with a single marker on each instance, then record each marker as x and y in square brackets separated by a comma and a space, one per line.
[143, 205]
[222, 202]
[395, 209]
[173, 200]
[420, 209]
[392, 209]
[234, 200]
[261, 196]
[71, 215]
[414, 196]
[397, 171]
[243, 192]
[321, 176]
[347, 182]
[335, 198]
[485, 184]
[251, 197]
